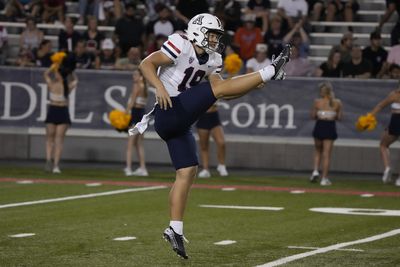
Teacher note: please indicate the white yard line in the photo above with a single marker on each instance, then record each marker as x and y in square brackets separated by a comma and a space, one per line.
[107, 193]
[312, 248]
[329, 248]
[240, 207]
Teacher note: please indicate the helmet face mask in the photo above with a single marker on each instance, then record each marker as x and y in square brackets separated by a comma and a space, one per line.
[205, 31]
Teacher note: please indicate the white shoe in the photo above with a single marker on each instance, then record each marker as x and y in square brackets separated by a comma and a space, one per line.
[222, 170]
[204, 174]
[325, 182]
[56, 170]
[387, 176]
[397, 182]
[140, 172]
[314, 177]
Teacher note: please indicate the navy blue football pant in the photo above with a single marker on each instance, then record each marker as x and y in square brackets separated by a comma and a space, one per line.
[174, 124]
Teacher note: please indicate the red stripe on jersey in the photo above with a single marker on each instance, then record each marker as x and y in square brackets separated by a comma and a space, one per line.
[174, 47]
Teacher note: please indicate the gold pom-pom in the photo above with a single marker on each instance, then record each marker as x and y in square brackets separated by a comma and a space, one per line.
[233, 63]
[119, 119]
[58, 57]
[366, 122]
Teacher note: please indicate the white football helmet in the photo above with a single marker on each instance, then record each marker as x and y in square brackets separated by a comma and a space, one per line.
[200, 26]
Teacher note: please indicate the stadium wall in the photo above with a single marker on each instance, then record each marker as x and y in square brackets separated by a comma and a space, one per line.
[269, 128]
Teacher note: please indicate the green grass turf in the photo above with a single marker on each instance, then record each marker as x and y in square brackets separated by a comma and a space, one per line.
[80, 232]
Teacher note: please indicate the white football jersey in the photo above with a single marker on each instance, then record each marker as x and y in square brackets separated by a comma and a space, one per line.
[186, 71]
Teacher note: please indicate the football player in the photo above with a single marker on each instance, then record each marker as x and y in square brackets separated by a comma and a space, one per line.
[177, 71]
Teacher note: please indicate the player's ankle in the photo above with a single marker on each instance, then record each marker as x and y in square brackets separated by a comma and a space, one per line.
[267, 73]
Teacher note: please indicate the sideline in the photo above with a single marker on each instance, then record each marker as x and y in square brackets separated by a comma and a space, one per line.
[329, 248]
[107, 193]
[207, 186]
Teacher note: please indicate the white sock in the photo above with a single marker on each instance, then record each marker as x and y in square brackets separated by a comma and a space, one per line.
[315, 172]
[177, 226]
[267, 73]
[387, 170]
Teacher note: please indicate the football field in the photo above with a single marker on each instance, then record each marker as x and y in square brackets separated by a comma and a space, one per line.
[98, 217]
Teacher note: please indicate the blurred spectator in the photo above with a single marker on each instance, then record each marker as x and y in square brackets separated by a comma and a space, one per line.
[156, 44]
[187, 9]
[394, 72]
[109, 11]
[345, 9]
[346, 43]
[129, 31]
[31, 37]
[42, 55]
[22, 8]
[357, 67]
[391, 6]
[298, 66]
[260, 8]
[106, 59]
[87, 8]
[299, 38]
[394, 55]
[151, 5]
[163, 25]
[93, 37]
[3, 45]
[293, 11]
[132, 60]
[375, 53]
[260, 59]
[247, 37]
[53, 8]
[316, 9]
[332, 67]
[274, 37]
[24, 58]
[84, 60]
[229, 12]
[68, 37]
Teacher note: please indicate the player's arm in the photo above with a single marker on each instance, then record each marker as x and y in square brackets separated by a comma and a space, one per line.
[149, 67]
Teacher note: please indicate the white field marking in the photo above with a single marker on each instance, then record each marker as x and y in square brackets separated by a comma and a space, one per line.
[312, 248]
[367, 195]
[297, 192]
[108, 193]
[93, 184]
[356, 211]
[329, 248]
[125, 238]
[22, 235]
[228, 189]
[240, 207]
[24, 182]
[225, 242]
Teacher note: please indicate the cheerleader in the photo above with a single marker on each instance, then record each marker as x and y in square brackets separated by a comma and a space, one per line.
[391, 133]
[210, 124]
[326, 111]
[136, 107]
[61, 81]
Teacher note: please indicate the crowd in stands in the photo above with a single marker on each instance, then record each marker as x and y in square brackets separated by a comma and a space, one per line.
[141, 27]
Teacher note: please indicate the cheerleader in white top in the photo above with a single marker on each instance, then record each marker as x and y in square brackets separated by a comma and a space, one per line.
[326, 111]
[391, 133]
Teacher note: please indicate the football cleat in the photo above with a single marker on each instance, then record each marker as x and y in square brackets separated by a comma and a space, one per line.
[280, 61]
[176, 242]
[222, 170]
[204, 174]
